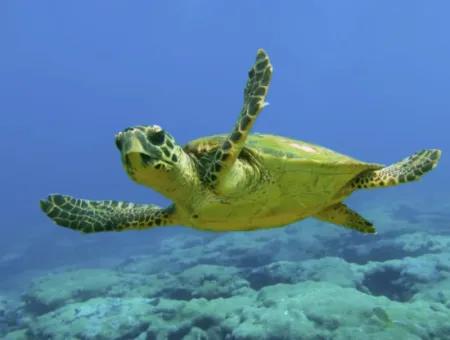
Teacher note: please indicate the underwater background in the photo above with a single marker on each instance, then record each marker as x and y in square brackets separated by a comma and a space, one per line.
[367, 79]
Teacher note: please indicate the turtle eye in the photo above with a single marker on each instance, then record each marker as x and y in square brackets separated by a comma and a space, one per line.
[156, 138]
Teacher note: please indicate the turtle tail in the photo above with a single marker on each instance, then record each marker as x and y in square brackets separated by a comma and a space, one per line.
[96, 216]
[409, 169]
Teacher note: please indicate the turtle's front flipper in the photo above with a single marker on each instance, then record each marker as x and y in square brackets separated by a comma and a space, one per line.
[342, 215]
[254, 100]
[95, 216]
[407, 170]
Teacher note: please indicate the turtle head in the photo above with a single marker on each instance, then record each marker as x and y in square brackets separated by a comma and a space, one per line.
[152, 158]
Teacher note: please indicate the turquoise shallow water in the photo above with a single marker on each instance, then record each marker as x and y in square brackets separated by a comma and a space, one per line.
[367, 80]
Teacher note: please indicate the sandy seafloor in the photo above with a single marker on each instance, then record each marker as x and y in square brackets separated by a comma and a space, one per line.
[308, 280]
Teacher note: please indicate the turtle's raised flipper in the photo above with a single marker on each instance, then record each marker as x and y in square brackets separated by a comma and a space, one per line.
[342, 215]
[407, 170]
[96, 216]
[254, 100]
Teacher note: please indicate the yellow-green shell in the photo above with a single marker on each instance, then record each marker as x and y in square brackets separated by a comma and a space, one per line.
[300, 180]
[286, 150]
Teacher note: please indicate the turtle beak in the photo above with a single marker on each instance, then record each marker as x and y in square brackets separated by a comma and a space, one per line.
[135, 149]
[132, 141]
[119, 141]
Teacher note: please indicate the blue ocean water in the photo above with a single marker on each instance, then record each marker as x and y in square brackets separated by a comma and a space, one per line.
[367, 79]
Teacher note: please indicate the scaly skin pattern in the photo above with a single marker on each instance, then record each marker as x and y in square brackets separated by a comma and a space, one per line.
[239, 181]
[94, 216]
[342, 215]
[408, 170]
[254, 100]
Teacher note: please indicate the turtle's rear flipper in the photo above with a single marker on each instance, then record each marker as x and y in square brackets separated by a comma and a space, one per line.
[342, 215]
[407, 170]
[96, 216]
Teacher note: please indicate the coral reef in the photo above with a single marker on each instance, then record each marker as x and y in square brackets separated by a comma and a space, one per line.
[306, 309]
[54, 290]
[276, 284]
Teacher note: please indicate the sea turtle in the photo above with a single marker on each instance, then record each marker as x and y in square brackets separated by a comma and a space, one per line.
[239, 181]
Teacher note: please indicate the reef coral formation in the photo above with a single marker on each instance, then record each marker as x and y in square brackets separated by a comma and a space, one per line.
[300, 282]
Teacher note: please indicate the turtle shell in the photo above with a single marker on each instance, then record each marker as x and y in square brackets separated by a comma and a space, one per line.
[279, 149]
